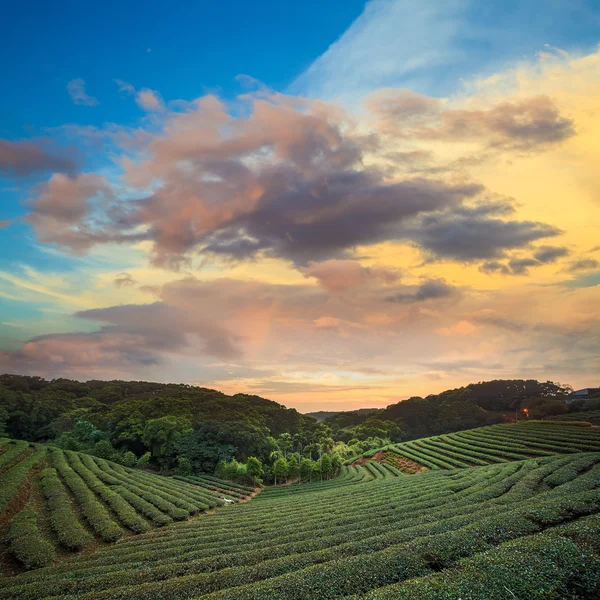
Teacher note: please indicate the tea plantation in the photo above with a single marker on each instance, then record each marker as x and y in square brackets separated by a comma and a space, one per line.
[52, 501]
[492, 444]
[508, 511]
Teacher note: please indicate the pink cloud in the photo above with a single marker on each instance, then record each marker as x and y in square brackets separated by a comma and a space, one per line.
[286, 179]
[23, 158]
[150, 100]
[62, 206]
[337, 275]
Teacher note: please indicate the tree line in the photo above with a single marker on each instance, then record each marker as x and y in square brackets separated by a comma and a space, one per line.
[188, 429]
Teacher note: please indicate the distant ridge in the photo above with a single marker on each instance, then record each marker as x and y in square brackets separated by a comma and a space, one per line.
[323, 415]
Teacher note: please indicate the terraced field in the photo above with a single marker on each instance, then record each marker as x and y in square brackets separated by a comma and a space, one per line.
[54, 501]
[489, 445]
[519, 528]
[592, 416]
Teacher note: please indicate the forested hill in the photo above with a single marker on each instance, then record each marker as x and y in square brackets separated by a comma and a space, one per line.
[323, 415]
[471, 406]
[167, 420]
[38, 400]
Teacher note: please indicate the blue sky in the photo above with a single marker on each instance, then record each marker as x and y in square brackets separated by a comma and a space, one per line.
[74, 78]
[330, 50]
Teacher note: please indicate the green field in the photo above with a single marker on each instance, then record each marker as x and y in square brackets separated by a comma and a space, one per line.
[502, 512]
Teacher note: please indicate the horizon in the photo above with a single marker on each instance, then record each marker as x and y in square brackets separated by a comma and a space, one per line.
[332, 207]
[304, 411]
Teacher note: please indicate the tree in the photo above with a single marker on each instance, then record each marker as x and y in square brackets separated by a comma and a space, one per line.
[87, 432]
[544, 407]
[129, 430]
[4, 415]
[336, 463]
[306, 469]
[144, 460]
[207, 446]
[285, 443]
[104, 449]
[280, 469]
[183, 466]
[326, 466]
[228, 470]
[254, 469]
[161, 435]
[326, 444]
[129, 459]
[293, 467]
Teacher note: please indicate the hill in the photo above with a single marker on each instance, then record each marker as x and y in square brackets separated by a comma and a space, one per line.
[123, 420]
[322, 416]
[57, 501]
[525, 524]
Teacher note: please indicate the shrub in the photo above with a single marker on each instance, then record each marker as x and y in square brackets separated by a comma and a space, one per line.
[94, 512]
[63, 518]
[27, 543]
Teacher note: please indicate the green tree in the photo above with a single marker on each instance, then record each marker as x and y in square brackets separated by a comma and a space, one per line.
[293, 467]
[144, 460]
[254, 469]
[208, 445]
[161, 435]
[336, 463]
[280, 469]
[285, 443]
[326, 466]
[4, 416]
[306, 469]
[129, 459]
[87, 432]
[183, 466]
[104, 449]
[129, 430]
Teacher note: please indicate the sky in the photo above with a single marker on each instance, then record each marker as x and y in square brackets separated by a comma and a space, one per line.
[330, 204]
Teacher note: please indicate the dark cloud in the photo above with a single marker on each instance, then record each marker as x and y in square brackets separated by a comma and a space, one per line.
[312, 220]
[431, 289]
[520, 266]
[124, 279]
[543, 255]
[24, 158]
[584, 264]
[467, 235]
[494, 266]
[550, 254]
[460, 365]
[65, 354]
[526, 124]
